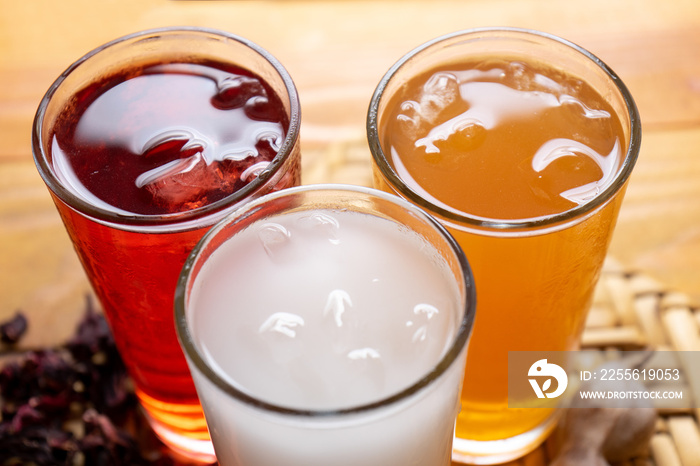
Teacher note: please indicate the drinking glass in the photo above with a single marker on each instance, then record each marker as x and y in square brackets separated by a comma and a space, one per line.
[535, 270]
[133, 259]
[327, 324]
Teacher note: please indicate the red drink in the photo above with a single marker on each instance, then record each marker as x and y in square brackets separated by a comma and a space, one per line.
[141, 160]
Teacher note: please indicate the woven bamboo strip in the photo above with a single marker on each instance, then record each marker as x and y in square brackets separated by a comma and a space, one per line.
[628, 337]
[643, 284]
[664, 451]
[601, 316]
[674, 299]
[647, 307]
[622, 299]
[681, 328]
[686, 437]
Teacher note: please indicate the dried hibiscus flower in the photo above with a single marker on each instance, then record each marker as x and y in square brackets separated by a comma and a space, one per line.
[73, 404]
[13, 330]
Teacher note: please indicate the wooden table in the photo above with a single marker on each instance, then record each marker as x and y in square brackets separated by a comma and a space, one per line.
[337, 51]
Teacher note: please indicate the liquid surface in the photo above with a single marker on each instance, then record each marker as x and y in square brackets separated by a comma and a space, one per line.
[324, 310]
[167, 138]
[503, 140]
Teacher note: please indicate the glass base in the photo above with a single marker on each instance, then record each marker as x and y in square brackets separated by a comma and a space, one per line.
[186, 448]
[501, 451]
[181, 427]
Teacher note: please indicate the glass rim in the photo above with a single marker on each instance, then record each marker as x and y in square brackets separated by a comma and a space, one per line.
[504, 225]
[76, 202]
[457, 343]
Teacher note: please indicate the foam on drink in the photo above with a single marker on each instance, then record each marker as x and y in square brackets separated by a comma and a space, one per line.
[324, 310]
[503, 139]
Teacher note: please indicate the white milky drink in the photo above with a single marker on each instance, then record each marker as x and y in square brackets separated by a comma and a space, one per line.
[323, 309]
[324, 335]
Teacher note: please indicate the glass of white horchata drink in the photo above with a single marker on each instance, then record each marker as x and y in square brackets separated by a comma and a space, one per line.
[327, 325]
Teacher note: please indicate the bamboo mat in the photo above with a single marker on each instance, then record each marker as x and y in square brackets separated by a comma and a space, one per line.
[631, 311]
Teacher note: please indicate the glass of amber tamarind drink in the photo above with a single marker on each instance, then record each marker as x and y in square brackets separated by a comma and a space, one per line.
[145, 143]
[328, 325]
[521, 144]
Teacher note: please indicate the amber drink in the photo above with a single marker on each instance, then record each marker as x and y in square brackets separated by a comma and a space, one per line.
[521, 143]
[144, 144]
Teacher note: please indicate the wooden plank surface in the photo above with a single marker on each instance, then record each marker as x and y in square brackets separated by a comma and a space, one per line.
[337, 51]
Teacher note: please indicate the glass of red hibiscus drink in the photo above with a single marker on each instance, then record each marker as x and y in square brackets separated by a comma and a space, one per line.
[144, 143]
